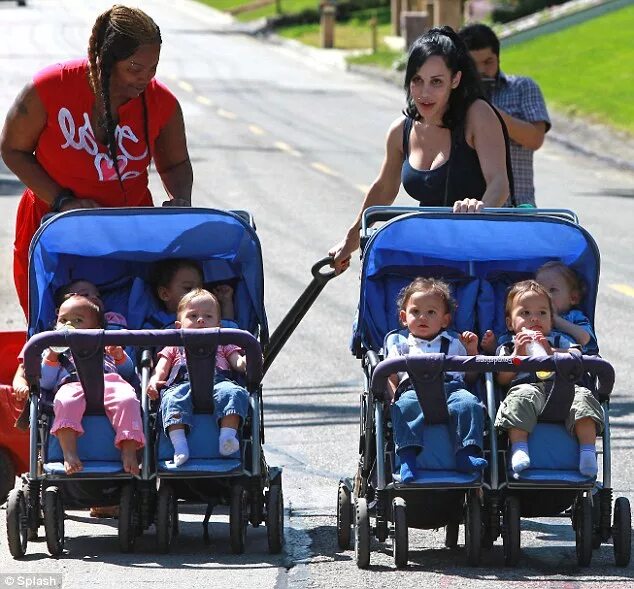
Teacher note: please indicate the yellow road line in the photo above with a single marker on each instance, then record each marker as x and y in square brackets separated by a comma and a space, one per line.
[256, 130]
[362, 188]
[204, 100]
[227, 114]
[185, 86]
[623, 289]
[287, 148]
[324, 169]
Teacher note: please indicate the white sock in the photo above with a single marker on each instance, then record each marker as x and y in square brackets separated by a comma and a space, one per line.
[588, 460]
[228, 442]
[181, 448]
[520, 460]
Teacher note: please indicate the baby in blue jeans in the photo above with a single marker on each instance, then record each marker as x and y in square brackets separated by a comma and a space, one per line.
[425, 308]
[199, 309]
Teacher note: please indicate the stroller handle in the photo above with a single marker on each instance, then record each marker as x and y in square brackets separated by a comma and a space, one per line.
[569, 366]
[86, 341]
[382, 213]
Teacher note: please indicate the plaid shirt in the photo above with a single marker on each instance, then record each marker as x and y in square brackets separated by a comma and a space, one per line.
[521, 98]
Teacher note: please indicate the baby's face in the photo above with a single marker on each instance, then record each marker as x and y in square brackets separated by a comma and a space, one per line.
[562, 295]
[79, 313]
[201, 312]
[425, 315]
[184, 280]
[530, 311]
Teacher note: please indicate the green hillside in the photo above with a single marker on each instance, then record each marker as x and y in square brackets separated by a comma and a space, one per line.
[585, 69]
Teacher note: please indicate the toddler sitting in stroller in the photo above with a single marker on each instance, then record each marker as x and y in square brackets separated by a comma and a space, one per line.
[425, 308]
[199, 309]
[529, 315]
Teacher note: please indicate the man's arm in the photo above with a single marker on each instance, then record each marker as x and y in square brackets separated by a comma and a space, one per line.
[531, 126]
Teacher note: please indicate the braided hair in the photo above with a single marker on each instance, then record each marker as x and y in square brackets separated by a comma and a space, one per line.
[445, 42]
[116, 35]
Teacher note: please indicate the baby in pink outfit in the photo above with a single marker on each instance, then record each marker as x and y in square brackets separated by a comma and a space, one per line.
[120, 401]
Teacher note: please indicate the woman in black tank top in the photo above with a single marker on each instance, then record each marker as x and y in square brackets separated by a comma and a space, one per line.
[450, 147]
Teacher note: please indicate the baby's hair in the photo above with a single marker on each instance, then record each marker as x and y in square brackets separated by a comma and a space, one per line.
[196, 293]
[164, 271]
[519, 289]
[427, 286]
[92, 305]
[66, 290]
[573, 280]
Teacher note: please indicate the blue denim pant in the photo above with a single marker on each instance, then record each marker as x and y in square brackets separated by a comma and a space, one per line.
[177, 405]
[466, 419]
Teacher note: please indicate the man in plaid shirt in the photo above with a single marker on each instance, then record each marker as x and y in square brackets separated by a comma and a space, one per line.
[520, 103]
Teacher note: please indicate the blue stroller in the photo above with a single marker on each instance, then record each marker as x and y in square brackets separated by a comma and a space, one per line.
[415, 242]
[114, 248]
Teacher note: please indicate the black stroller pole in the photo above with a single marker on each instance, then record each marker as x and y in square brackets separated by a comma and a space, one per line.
[292, 319]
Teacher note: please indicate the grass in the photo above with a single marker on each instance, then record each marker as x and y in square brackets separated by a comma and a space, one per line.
[585, 69]
[287, 7]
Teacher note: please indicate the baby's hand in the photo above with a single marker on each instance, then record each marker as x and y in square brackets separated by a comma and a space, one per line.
[470, 341]
[20, 391]
[489, 343]
[153, 388]
[522, 339]
[116, 352]
[540, 338]
[223, 292]
[51, 356]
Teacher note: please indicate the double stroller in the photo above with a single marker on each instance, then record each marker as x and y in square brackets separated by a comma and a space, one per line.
[479, 256]
[115, 249]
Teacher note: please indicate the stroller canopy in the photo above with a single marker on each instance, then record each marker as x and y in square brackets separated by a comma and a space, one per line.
[116, 248]
[479, 254]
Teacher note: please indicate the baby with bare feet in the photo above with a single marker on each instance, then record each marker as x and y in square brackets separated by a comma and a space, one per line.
[120, 401]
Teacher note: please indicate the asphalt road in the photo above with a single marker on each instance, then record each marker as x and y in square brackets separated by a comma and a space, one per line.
[295, 142]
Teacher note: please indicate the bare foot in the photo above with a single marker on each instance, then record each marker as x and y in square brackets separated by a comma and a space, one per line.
[129, 457]
[68, 441]
[72, 464]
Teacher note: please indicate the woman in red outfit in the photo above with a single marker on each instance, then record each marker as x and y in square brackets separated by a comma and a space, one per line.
[69, 126]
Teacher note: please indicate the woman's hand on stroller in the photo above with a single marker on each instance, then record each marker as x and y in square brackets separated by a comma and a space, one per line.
[468, 205]
[341, 254]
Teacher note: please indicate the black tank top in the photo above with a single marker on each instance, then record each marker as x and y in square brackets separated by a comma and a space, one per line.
[457, 178]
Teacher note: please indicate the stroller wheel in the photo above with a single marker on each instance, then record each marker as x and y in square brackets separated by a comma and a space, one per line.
[238, 518]
[17, 527]
[275, 517]
[473, 529]
[54, 520]
[344, 516]
[583, 530]
[511, 531]
[451, 534]
[166, 517]
[400, 540]
[128, 520]
[622, 532]
[361, 533]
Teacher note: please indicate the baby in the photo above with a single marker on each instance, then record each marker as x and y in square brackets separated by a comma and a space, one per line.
[425, 308]
[199, 309]
[120, 401]
[566, 291]
[529, 316]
